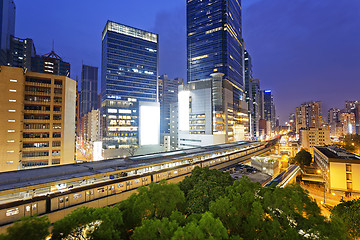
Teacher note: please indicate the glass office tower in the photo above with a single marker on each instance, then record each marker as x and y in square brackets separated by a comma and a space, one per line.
[128, 77]
[214, 41]
[89, 82]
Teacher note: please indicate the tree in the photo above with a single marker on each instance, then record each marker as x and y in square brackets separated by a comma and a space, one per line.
[98, 223]
[158, 200]
[349, 213]
[202, 186]
[28, 228]
[303, 158]
[206, 228]
[253, 212]
[155, 229]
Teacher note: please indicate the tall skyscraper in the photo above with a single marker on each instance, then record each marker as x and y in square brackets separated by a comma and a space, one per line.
[89, 83]
[7, 27]
[168, 94]
[249, 92]
[269, 108]
[256, 94]
[50, 63]
[129, 73]
[21, 52]
[214, 42]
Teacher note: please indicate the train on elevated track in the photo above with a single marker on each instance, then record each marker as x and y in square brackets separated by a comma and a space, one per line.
[52, 189]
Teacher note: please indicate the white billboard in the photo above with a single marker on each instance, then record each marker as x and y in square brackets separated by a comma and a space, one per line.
[149, 123]
[183, 113]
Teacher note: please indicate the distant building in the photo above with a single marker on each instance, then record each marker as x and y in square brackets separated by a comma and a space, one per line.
[308, 115]
[333, 115]
[168, 94]
[340, 170]
[292, 122]
[50, 63]
[174, 126]
[312, 137]
[89, 83]
[7, 28]
[129, 79]
[269, 108]
[347, 120]
[37, 123]
[21, 52]
[255, 88]
[268, 164]
[205, 113]
[249, 92]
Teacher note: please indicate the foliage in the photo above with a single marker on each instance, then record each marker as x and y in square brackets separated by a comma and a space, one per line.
[351, 143]
[98, 223]
[28, 228]
[253, 212]
[202, 186]
[303, 158]
[349, 213]
[158, 200]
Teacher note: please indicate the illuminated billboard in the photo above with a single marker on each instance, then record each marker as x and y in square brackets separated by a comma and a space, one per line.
[183, 114]
[149, 123]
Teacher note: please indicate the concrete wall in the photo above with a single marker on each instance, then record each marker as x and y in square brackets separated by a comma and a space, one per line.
[68, 150]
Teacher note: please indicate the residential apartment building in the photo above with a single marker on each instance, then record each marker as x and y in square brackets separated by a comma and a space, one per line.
[308, 115]
[37, 119]
[312, 137]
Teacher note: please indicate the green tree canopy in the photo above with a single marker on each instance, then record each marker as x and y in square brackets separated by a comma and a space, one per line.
[98, 223]
[158, 200]
[28, 228]
[303, 158]
[254, 212]
[349, 213]
[202, 186]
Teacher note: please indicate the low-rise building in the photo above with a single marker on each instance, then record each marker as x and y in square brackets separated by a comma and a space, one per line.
[312, 137]
[340, 170]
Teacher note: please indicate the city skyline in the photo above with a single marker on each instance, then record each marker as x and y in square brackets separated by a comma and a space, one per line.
[296, 54]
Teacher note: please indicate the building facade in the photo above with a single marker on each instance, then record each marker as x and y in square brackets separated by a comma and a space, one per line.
[36, 108]
[21, 52]
[50, 63]
[205, 113]
[168, 94]
[129, 75]
[89, 84]
[308, 115]
[269, 108]
[248, 92]
[340, 170]
[312, 137]
[215, 44]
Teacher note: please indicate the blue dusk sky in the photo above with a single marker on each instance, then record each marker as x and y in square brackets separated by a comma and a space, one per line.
[301, 49]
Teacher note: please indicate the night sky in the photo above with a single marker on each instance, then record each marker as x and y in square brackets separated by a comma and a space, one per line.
[301, 49]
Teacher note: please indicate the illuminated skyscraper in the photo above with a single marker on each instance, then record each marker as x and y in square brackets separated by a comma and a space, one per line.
[214, 42]
[129, 81]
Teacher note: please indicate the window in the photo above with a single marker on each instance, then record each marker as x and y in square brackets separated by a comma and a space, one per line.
[57, 126]
[11, 120]
[35, 144]
[56, 153]
[35, 154]
[12, 100]
[13, 80]
[11, 131]
[56, 135]
[12, 90]
[56, 144]
[348, 167]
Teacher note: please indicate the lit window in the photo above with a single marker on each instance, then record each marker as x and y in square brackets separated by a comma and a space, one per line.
[12, 100]
[11, 151]
[12, 110]
[13, 80]
[11, 120]
[11, 131]
[12, 90]
[10, 141]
